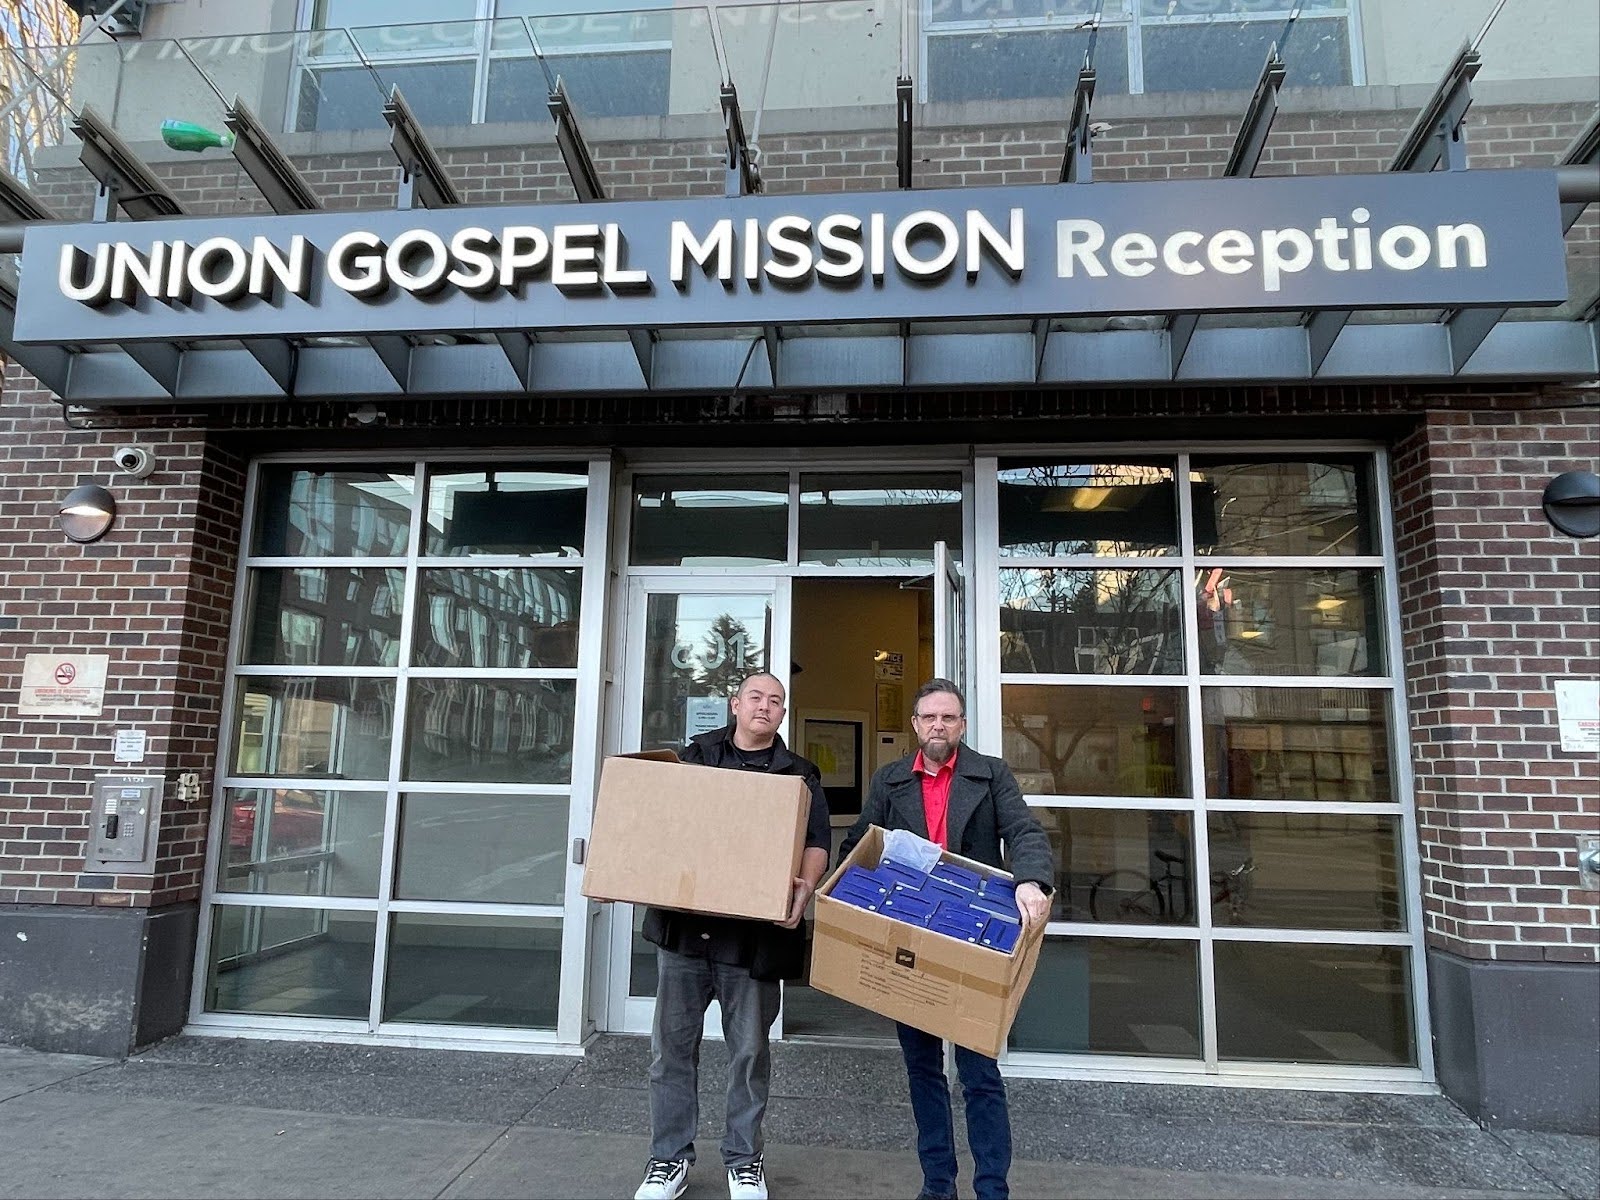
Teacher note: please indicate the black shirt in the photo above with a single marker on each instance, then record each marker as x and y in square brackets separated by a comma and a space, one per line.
[767, 950]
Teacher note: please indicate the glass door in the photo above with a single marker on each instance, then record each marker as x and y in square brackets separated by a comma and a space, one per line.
[689, 644]
[950, 622]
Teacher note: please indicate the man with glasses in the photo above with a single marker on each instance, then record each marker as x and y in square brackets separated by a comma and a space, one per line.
[970, 804]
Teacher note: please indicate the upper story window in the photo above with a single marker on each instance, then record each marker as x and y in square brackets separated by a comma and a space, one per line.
[1020, 49]
[462, 62]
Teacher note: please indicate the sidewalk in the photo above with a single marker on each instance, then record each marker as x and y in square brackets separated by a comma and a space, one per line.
[204, 1117]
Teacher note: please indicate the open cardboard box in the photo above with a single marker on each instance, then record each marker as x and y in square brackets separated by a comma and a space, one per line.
[702, 839]
[964, 993]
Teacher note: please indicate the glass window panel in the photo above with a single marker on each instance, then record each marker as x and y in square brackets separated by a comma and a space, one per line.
[341, 728]
[348, 98]
[1227, 55]
[306, 513]
[1101, 622]
[619, 83]
[698, 646]
[324, 616]
[1289, 621]
[490, 849]
[465, 970]
[643, 970]
[497, 617]
[490, 730]
[1296, 744]
[878, 520]
[1112, 996]
[332, 14]
[1314, 1003]
[941, 12]
[524, 511]
[710, 521]
[1121, 866]
[1123, 508]
[1306, 871]
[296, 842]
[1283, 506]
[1095, 741]
[292, 962]
[981, 64]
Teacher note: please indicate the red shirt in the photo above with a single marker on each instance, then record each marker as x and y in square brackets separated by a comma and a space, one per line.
[936, 797]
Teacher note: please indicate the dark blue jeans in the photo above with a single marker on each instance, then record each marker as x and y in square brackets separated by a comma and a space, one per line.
[988, 1121]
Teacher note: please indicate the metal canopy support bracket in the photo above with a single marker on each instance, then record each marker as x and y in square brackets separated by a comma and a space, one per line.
[1243, 158]
[1467, 327]
[903, 93]
[1435, 137]
[423, 178]
[518, 348]
[1076, 164]
[278, 358]
[162, 361]
[574, 150]
[644, 349]
[394, 352]
[743, 174]
[269, 168]
[125, 178]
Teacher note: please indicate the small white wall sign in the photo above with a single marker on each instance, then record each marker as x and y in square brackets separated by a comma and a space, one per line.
[1578, 715]
[63, 685]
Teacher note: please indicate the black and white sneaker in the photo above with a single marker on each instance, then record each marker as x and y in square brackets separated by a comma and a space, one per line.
[748, 1182]
[664, 1179]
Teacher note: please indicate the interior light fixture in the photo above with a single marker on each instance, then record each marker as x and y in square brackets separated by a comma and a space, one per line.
[1250, 635]
[1330, 603]
[86, 513]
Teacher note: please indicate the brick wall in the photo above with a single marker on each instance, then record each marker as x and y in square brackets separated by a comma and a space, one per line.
[1495, 606]
[154, 594]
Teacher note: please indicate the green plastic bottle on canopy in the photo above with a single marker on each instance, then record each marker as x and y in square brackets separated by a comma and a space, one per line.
[186, 135]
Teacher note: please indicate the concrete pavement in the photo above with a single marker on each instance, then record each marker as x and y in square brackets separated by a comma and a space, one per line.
[208, 1117]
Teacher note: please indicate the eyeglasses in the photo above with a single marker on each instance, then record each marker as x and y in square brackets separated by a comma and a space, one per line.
[939, 718]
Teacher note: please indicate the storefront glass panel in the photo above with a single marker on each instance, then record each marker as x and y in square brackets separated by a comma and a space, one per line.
[1306, 871]
[490, 730]
[878, 520]
[499, 849]
[355, 512]
[1289, 621]
[300, 842]
[1121, 866]
[1118, 509]
[291, 962]
[710, 521]
[522, 511]
[1112, 996]
[1297, 744]
[340, 727]
[1104, 622]
[497, 617]
[1253, 506]
[324, 616]
[1314, 1003]
[457, 969]
[1092, 740]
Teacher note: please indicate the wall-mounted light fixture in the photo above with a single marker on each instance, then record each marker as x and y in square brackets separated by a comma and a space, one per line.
[1572, 504]
[86, 513]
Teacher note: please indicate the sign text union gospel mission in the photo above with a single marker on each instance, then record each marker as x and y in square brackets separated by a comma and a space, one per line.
[1194, 246]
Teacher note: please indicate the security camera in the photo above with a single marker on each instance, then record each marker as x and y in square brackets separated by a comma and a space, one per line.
[137, 461]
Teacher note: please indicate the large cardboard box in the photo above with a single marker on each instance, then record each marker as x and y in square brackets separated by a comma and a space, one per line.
[703, 839]
[958, 991]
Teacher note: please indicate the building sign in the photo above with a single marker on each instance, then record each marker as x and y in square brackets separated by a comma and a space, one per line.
[1446, 239]
[63, 685]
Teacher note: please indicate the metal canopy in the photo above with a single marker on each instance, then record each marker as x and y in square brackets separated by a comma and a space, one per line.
[17, 203]
[125, 179]
[904, 91]
[1435, 137]
[1077, 163]
[1243, 157]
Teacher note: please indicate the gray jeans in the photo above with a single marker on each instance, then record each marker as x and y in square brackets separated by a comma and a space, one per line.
[684, 990]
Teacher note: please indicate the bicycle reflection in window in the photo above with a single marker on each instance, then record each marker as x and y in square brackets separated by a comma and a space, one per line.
[1132, 897]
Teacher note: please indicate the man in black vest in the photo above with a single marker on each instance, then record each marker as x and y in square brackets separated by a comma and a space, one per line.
[968, 803]
[736, 962]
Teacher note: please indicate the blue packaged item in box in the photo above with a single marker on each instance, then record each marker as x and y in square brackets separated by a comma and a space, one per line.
[994, 906]
[962, 931]
[998, 888]
[1000, 935]
[961, 877]
[863, 880]
[904, 904]
[962, 916]
[938, 889]
[893, 872]
[870, 900]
